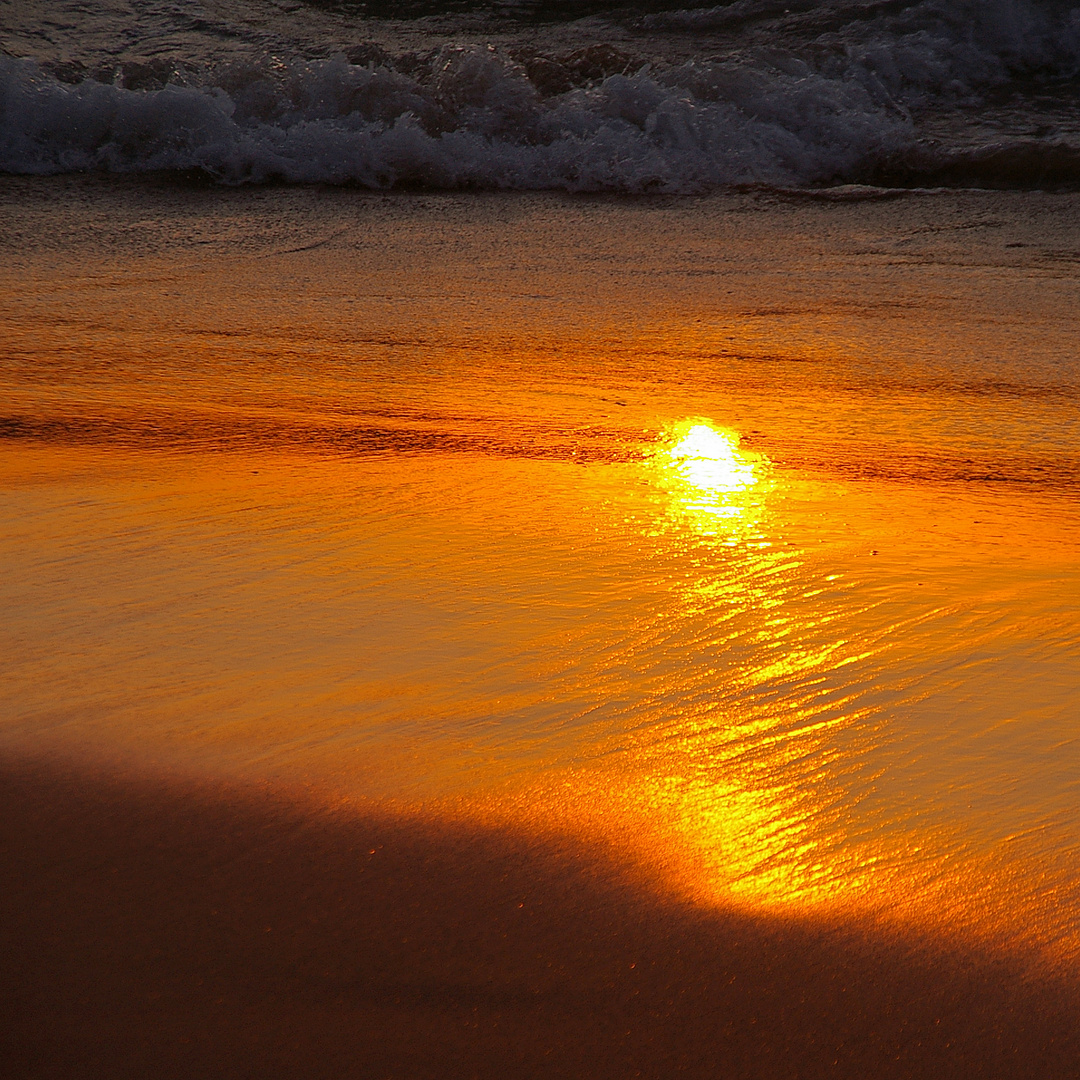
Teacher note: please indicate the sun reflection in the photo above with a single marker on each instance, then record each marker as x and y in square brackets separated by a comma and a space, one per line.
[710, 460]
[742, 760]
[709, 476]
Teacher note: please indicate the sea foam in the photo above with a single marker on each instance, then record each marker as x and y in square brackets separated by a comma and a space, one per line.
[838, 105]
[477, 120]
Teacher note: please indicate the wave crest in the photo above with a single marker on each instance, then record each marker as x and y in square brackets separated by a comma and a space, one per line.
[474, 118]
[844, 99]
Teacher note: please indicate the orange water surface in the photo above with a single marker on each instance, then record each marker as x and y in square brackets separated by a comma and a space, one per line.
[739, 534]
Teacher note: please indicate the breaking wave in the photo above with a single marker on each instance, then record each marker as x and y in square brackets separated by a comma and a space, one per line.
[843, 100]
[477, 119]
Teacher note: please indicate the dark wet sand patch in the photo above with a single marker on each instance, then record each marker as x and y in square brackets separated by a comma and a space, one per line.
[153, 929]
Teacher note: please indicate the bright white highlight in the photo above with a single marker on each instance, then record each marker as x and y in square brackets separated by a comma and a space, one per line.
[710, 461]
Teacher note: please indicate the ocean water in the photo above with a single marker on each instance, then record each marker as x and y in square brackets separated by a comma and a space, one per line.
[650, 434]
[589, 96]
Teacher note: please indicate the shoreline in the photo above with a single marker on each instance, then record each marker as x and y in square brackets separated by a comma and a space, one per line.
[193, 930]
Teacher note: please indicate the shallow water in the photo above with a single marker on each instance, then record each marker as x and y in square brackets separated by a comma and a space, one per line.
[737, 534]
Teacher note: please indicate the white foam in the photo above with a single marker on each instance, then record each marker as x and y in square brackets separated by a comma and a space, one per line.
[476, 121]
[833, 105]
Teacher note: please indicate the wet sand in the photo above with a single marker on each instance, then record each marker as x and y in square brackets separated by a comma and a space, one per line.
[384, 694]
[156, 927]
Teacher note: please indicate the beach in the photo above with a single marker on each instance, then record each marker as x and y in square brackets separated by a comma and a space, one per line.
[178, 929]
[527, 633]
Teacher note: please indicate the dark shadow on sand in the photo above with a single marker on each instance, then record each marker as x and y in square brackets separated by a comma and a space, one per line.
[154, 931]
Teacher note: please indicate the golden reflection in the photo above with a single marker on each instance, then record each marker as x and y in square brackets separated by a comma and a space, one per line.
[710, 460]
[740, 765]
[748, 767]
[709, 476]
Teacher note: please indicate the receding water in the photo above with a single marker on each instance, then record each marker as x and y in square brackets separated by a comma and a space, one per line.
[472, 511]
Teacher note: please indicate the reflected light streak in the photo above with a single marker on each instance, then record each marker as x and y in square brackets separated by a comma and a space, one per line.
[748, 760]
[746, 801]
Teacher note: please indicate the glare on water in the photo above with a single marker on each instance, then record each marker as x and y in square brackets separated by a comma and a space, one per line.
[707, 476]
[772, 668]
[747, 678]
